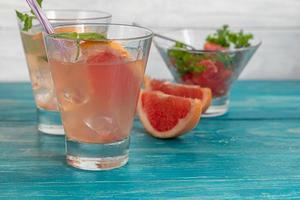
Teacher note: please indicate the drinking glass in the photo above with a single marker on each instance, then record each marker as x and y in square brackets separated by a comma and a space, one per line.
[48, 118]
[97, 84]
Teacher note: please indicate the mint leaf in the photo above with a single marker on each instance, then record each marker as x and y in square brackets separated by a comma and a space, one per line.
[220, 37]
[39, 2]
[27, 22]
[184, 61]
[198, 69]
[180, 45]
[91, 36]
[69, 35]
[191, 69]
[43, 58]
[225, 38]
[80, 36]
[20, 15]
[27, 19]
[241, 40]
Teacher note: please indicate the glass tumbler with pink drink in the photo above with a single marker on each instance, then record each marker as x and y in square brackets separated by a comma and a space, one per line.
[97, 71]
[48, 118]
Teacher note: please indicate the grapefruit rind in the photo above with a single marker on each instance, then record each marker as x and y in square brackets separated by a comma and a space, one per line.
[147, 83]
[207, 94]
[207, 99]
[183, 126]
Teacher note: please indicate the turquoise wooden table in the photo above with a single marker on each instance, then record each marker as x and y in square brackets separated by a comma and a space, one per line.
[253, 152]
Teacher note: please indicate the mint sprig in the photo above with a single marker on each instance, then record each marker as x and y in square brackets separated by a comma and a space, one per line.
[79, 37]
[224, 37]
[185, 61]
[27, 18]
[220, 37]
[240, 39]
[91, 36]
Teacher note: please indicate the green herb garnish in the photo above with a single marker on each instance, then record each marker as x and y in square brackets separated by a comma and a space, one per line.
[79, 37]
[91, 36]
[187, 62]
[44, 58]
[220, 37]
[240, 39]
[27, 18]
[180, 45]
[224, 37]
[184, 61]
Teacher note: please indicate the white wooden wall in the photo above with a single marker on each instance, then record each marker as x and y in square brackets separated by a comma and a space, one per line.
[276, 22]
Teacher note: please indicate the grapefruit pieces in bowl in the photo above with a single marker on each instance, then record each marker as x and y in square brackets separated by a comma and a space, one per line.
[167, 116]
[181, 90]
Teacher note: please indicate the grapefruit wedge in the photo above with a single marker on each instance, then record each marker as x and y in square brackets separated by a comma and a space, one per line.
[181, 90]
[94, 47]
[168, 116]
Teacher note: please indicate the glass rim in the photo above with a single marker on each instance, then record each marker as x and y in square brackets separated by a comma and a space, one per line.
[106, 14]
[147, 36]
[256, 42]
[256, 45]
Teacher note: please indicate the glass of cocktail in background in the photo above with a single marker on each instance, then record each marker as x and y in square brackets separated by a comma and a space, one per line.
[48, 117]
[97, 84]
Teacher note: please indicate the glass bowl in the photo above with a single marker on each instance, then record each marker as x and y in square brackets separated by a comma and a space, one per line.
[216, 70]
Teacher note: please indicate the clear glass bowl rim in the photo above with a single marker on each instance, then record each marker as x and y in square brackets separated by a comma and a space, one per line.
[256, 43]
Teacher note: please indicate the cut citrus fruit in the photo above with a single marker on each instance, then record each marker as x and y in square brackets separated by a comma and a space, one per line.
[213, 47]
[168, 116]
[181, 90]
[68, 29]
[94, 47]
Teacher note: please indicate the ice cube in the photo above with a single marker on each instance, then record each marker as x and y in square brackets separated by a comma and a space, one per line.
[103, 124]
[46, 99]
[71, 98]
[35, 82]
[66, 51]
[41, 79]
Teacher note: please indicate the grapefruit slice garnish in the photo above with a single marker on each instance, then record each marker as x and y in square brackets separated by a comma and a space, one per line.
[181, 90]
[68, 29]
[95, 47]
[168, 116]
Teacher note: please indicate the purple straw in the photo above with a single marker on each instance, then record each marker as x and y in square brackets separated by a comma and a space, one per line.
[40, 15]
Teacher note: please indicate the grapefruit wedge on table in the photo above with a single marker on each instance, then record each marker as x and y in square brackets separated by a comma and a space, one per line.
[168, 116]
[181, 90]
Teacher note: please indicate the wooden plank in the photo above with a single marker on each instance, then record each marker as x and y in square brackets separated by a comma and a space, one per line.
[250, 100]
[219, 159]
[234, 157]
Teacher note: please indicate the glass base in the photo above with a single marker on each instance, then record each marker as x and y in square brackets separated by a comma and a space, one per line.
[49, 122]
[88, 156]
[219, 107]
